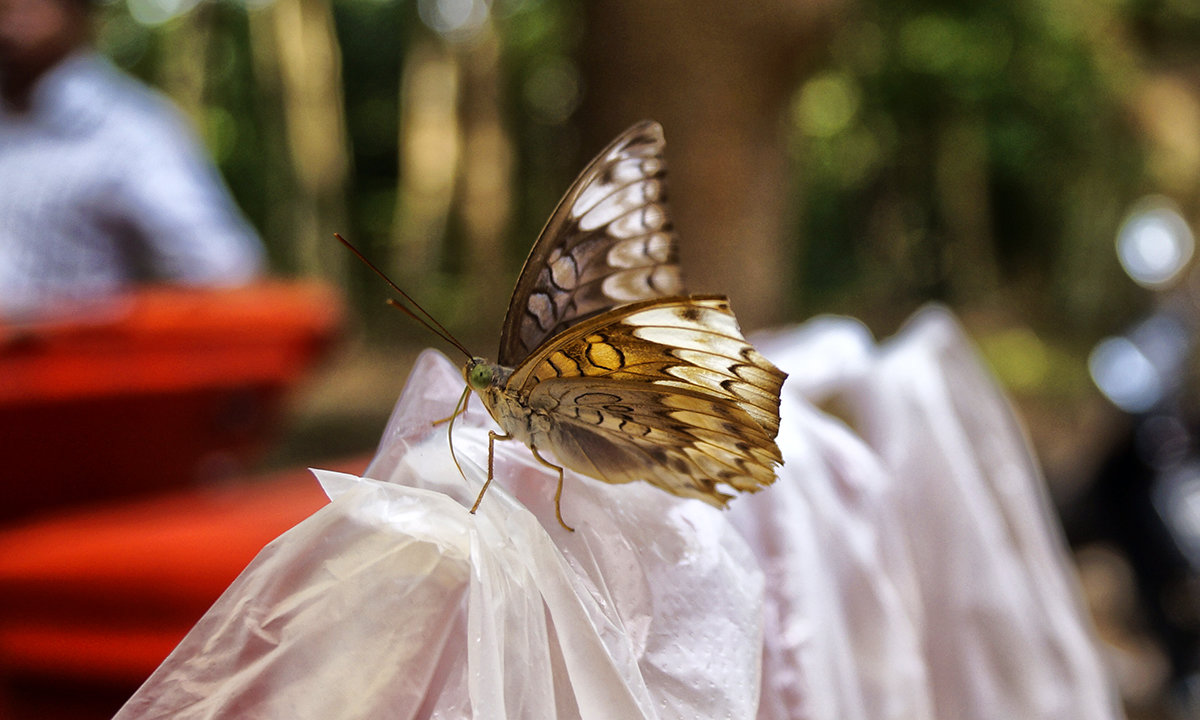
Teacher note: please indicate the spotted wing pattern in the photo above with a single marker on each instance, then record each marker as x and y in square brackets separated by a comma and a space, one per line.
[609, 242]
[666, 391]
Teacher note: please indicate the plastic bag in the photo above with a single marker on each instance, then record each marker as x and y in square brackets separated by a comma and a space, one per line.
[905, 565]
[1004, 629]
[940, 586]
[840, 639]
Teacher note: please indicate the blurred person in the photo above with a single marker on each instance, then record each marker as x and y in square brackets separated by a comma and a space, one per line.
[102, 183]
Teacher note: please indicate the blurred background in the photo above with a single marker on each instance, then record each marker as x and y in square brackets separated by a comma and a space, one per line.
[827, 156]
[850, 157]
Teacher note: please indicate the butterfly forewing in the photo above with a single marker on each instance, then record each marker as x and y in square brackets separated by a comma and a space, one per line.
[609, 242]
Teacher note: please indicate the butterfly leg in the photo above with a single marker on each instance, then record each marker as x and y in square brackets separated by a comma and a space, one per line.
[492, 438]
[558, 492]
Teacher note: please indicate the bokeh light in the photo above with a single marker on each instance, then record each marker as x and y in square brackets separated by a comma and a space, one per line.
[454, 19]
[1155, 243]
[1125, 375]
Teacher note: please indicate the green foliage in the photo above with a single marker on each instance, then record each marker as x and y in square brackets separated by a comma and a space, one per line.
[939, 125]
[945, 150]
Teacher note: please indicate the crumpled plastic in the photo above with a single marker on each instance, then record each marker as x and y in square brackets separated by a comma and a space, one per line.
[923, 572]
[905, 565]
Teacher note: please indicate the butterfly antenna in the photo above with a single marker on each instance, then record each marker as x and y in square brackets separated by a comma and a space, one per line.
[429, 322]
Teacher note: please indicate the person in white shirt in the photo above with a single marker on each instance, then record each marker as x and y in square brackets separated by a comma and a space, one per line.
[102, 183]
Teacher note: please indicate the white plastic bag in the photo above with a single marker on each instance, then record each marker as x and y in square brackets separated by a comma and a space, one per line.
[912, 568]
[841, 638]
[1004, 628]
[936, 540]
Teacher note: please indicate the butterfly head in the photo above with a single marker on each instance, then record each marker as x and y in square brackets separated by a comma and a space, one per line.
[481, 374]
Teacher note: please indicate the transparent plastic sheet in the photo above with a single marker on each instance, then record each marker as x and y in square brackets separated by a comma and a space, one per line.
[841, 636]
[912, 570]
[1005, 630]
[394, 602]
[949, 552]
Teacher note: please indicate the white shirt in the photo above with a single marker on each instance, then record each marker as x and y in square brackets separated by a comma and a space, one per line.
[103, 184]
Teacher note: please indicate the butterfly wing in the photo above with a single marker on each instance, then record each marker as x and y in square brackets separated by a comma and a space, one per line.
[666, 391]
[609, 242]
[685, 442]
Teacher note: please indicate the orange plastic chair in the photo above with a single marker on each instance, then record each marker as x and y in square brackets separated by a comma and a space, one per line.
[158, 389]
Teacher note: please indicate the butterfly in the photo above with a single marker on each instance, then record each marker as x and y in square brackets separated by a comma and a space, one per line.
[608, 365]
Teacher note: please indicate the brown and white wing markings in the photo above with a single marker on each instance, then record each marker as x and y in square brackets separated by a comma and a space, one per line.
[609, 242]
[682, 441]
[666, 391]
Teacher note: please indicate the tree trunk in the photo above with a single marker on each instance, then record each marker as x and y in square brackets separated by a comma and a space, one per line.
[308, 64]
[485, 197]
[456, 163]
[429, 159]
[719, 77]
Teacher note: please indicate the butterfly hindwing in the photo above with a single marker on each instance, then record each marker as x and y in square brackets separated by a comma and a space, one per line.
[609, 242]
[666, 391]
[683, 441]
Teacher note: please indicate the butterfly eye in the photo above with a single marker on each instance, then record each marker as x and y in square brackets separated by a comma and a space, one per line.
[479, 376]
